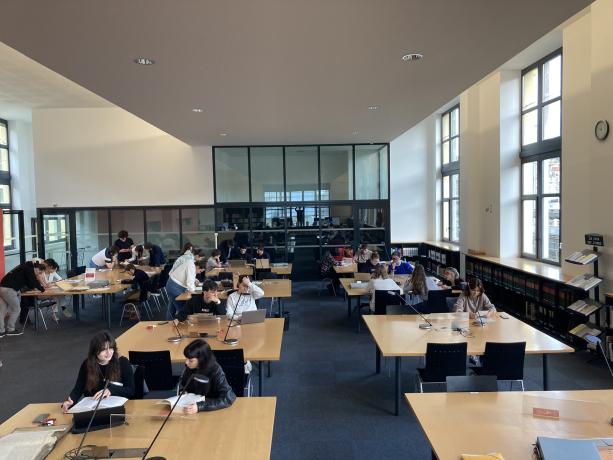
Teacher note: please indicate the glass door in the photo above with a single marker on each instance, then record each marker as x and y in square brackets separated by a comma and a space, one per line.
[372, 228]
[56, 242]
[15, 249]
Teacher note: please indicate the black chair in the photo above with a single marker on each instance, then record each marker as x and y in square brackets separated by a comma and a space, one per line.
[267, 275]
[442, 360]
[384, 298]
[467, 383]
[398, 310]
[362, 268]
[139, 382]
[503, 360]
[233, 364]
[450, 301]
[76, 271]
[158, 369]
[436, 302]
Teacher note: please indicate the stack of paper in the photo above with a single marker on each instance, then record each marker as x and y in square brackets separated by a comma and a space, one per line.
[186, 400]
[582, 257]
[88, 404]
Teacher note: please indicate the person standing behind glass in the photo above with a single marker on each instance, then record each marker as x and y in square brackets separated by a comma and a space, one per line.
[124, 243]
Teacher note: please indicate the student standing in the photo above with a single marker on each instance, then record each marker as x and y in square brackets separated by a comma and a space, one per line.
[103, 362]
[187, 254]
[199, 359]
[227, 249]
[107, 258]
[124, 243]
[180, 279]
[473, 299]
[139, 280]
[156, 255]
[399, 266]
[381, 281]
[244, 298]
[21, 278]
[51, 276]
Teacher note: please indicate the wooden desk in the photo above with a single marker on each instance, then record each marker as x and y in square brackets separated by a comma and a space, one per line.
[260, 342]
[363, 291]
[273, 289]
[241, 431]
[399, 335]
[245, 270]
[285, 270]
[480, 423]
[346, 269]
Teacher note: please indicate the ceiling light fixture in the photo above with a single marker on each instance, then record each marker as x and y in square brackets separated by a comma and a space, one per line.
[223, 134]
[144, 61]
[373, 107]
[412, 57]
[197, 110]
[355, 133]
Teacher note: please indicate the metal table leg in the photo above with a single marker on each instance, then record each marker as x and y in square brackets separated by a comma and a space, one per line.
[269, 371]
[107, 306]
[348, 306]
[397, 396]
[35, 314]
[280, 304]
[260, 379]
[378, 359]
[545, 373]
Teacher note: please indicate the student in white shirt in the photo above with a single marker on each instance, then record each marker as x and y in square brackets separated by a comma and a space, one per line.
[107, 258]
[244, 298]
[51, 276]
[380, 281]
[140, 255]
[180, 279]
[187, 254]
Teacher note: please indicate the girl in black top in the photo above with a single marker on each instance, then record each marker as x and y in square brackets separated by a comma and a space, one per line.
[199, 359]
[102, 362]
[124, 243]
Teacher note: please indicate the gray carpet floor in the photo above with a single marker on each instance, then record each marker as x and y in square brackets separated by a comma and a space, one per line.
[330, 402]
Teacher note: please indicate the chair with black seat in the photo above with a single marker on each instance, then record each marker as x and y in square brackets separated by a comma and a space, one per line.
[398, 310]
[232, 363]
[362, 268]
[384, 298]
[158, 369]
[450, 301]
[139, 382]
[76, 271]
[436, 302]
[503, 360]
[442, 360]
[468, 383]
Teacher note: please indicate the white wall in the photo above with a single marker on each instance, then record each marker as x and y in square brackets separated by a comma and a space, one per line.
[412, 186]
[109, 157]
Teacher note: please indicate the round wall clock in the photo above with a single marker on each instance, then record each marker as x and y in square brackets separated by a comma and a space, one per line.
[601, 130]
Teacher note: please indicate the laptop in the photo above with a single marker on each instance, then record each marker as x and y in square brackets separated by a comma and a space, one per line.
[105, 418]
[254, 316]
[237, 262]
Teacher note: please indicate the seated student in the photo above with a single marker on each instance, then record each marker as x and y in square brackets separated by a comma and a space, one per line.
[21, 278]
[348, 253]
[327, 271]
[107, 258]
[180, 279]
[260, 253]
[371, 264]
[156, 255]
[363, 254]
[244, 298]
[226, 248]
[102, 362]
[199, 359]
[124, 243]
[208, 302]
[418, 286]
[399, 266]
[473, 299]
[380, 281]
[187, 254]
[242, 254]
[51, 276]
[452, 279]
[214, 261]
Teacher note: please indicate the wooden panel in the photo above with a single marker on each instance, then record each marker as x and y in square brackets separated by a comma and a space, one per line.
[481, 423]
[399, 335]
[533, 267]
[246, 270]
[260, 342]
[241, 431]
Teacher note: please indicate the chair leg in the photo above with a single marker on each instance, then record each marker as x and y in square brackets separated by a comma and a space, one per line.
[42, 317]
[522, 385]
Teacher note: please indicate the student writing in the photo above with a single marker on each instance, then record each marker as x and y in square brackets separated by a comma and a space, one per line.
[473, 299]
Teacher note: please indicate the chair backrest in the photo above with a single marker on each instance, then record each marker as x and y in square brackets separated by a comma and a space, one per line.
[139, 382]
[504, 360]
[444, 359]
[162, 279]
[436, 302]
[398, 310]
[384, 298]
[466, 383]
[76, 271]
[158, 368]
[267, 275]
[450, 302]
[363, 268]
[233, 364]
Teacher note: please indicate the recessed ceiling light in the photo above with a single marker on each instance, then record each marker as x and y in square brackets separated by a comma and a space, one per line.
[355, 133]
[223, 134]
[197, 110]
[373, 107]
[412, 57]
[144, 61]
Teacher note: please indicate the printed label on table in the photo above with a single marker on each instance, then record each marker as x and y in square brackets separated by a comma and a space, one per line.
[545, 413]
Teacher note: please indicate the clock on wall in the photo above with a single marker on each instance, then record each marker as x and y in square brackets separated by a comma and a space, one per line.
[601, 130]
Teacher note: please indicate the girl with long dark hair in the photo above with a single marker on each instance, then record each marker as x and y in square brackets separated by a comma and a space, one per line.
[103, 362]
[199, 359]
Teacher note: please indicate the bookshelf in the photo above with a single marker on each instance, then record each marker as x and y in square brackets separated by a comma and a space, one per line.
[433, 255]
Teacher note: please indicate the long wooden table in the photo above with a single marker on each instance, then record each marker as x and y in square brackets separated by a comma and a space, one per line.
[260, 342]
[349, 269]
[482, 423]
[357, 292]
[283, 270]
[241, 431]
[114, 277]
[243, 270]
[399, 335]
[273, 289]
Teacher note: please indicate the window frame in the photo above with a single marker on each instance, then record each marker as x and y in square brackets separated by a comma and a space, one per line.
[538, 152]
[5, 179]
[448, 170]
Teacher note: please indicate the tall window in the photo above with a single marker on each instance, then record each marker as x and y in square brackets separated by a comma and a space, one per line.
[5, 186]
[541, 141]
[450, 170]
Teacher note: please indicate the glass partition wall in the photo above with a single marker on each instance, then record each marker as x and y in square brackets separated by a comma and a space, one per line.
[297, 201]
